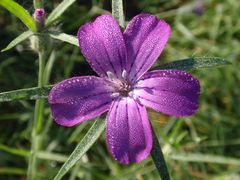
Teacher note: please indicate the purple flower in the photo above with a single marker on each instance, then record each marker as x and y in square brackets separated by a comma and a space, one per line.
[124, 87]
[39, 16]
[199, 7]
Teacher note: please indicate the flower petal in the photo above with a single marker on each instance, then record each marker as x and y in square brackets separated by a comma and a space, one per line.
[145, 38]
[129, 135]
[78, 99]
[172, 92]
[101, 42]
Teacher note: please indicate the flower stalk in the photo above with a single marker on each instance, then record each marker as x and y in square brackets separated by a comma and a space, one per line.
[37, 123]
[39, 47]
[118, 12]
[38, 3]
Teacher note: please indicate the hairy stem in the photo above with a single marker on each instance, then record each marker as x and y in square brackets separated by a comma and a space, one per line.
[37, 123]
[118, 12]
[38, 3]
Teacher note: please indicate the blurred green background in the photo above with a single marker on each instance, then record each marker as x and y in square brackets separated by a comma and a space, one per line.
[204, 146]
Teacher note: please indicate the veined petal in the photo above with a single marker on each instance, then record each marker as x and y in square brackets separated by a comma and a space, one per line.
[78, 99]
[172, 92]
[129, 135]
[101, 42]
[145, 37]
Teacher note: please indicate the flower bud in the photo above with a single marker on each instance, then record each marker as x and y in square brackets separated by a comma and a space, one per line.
[39, 17]
[199, 8]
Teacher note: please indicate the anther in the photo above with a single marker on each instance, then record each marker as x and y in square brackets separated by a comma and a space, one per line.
[113, 95]
[131, 94]
[124, 74]
[110, 75]
[140, 82]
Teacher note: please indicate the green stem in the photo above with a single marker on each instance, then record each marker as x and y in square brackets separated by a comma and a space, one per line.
[39, 106]
[118, 12]
[38, 4]
[158, 158]
[37, 124]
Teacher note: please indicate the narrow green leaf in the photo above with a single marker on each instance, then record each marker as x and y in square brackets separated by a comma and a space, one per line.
[20, 12]
[18, 152]
[12, 171]
[84, 145]
[158, 158]
[29, 93]
[22, 37]
[194, 63]
[207, 158]
[117, 12]
[58, 11]
[51, 156]
[65, 38]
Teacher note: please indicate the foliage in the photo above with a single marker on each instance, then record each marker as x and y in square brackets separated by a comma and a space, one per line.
[203, 146]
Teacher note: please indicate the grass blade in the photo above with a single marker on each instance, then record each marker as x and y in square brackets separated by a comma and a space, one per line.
[22, 37]
[65, 38]
[20, 12]
[28, 94]
[84, 145]
[51, 156]
[207, 158]
[194, 63]
[18, 152]
[58, 11]
[158, 158]
[12, 171]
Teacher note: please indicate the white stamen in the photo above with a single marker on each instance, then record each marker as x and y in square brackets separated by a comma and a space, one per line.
[131, 94]
[124, 74]
[110, 75]
[140, 82]
[113, 95]
[135, 97]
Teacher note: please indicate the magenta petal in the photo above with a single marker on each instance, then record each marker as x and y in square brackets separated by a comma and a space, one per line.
[172, 92]
[78, 99]
[145, 37]
[102, 43]
[129, 135]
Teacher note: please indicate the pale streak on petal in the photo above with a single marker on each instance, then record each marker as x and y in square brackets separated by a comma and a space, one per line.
[145, 37]
[79, 99]
[172, 92]
[129, 135]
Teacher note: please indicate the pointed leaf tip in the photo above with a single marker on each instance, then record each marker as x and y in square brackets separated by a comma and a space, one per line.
[20, 12]
[195, 63]
[25, 94]
[22, 37]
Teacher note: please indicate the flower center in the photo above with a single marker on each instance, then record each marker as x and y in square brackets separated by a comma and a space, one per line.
[122, 86]
[124, 89]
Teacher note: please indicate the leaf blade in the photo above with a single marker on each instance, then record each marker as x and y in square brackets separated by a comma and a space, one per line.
[65, 38]
[58, 11]
[194, 63]
[158, 158]
[22, 37]
[29, 93]
[88, 140]
[20, 12]
[206, 158]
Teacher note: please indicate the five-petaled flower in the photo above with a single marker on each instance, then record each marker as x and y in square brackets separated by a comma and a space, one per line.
[124, 87]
